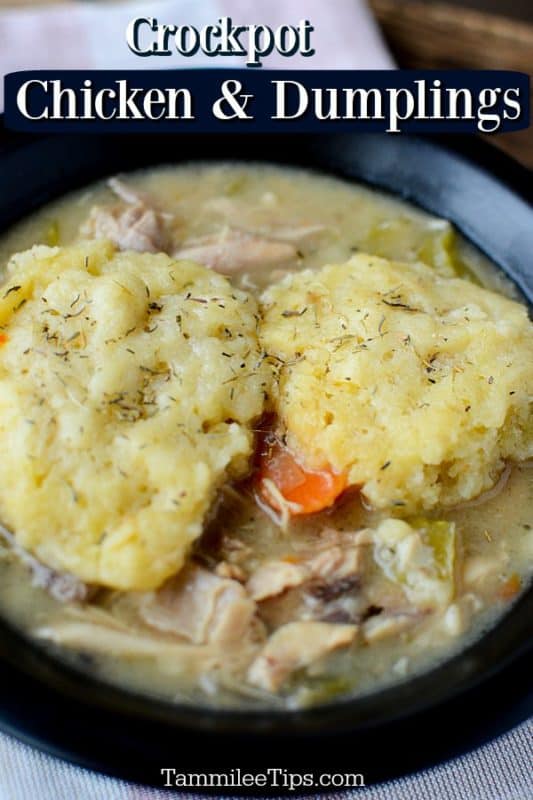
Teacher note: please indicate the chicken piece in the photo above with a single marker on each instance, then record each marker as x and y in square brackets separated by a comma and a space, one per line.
[237, 215]
[336, 563]
[131, 227]
[331, 567]
[200, 606]
[128, 194]
[335, 577]
[458, 615]
[420, 557]
[137, 225]
[384, 626]
[296, 646]
[225, 569]
[275, 577]
[235, 550]
[92, 630]
[322, 585]
[362, 537]
[61, 585]
[235, 251]
[478, 571]
[299, 235]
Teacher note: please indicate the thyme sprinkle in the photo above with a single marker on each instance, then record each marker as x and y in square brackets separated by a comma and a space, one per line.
[405, 306]
[289, 313]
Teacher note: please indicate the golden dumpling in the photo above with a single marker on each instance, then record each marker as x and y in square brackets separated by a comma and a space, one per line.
[128, 386]
[415, 385]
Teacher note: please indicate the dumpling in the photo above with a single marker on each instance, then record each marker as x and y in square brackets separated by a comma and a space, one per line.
[416, 386]
[129, 385]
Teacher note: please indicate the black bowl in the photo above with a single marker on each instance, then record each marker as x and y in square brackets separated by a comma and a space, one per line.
[468, 699]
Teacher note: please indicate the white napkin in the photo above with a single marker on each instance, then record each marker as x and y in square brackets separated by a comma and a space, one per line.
[91, 35]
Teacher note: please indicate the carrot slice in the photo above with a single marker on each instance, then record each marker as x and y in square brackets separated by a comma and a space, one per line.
[3, 338]
[308, 490]
[510, 587]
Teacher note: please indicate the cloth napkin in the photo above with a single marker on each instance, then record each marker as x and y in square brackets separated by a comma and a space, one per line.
[86, 35]
[500, 770]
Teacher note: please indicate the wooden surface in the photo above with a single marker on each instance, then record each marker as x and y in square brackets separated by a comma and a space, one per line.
[424, 34]
[443, 36]
[517, 9]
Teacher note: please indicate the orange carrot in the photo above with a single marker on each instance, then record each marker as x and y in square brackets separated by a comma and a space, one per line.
[309, 490]
[510, 588]
[3, 338]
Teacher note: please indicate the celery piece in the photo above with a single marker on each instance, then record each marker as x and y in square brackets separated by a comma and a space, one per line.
[439, 249]
[419, 555]
[440, 535]
[323, 689]
[435, 244]
[235, 185]
[51, 237]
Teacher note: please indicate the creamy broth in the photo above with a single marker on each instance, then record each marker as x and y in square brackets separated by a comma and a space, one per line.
[326, 220]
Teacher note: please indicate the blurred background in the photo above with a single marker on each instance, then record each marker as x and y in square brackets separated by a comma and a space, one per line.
[518, 9]
[471, 34]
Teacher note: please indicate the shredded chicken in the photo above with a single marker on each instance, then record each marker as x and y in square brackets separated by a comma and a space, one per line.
[128, 194]
[383, 626]
[236, 214]
[234, 251]
[102, 633]
[137, 224]
[477, 570]
[91, 629]
[296, 646]
[134, 224]
[225, 569]
[61, 585]
[336, 563]
[129, 227]
[408, 558]
[236, 551]
[300, 234]
[201, 607]
[458, 615]
[274, 577]
[331, 568]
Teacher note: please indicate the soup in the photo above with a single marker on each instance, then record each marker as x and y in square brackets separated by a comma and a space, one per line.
[266, 433]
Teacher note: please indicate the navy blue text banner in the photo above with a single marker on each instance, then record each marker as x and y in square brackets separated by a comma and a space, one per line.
[267, 101]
